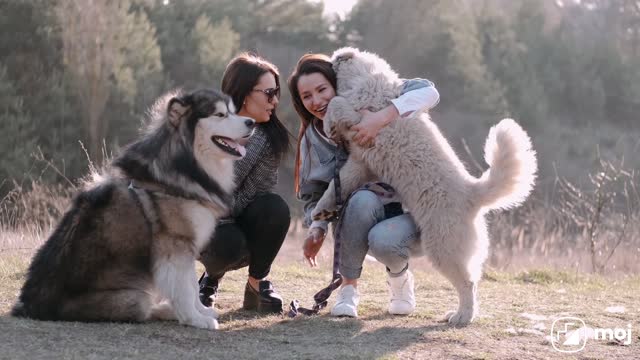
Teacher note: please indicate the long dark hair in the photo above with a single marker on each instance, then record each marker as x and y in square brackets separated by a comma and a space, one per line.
[308, 64]
[239, 78]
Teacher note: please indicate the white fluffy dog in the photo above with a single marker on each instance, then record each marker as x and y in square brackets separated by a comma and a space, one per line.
[446, 202]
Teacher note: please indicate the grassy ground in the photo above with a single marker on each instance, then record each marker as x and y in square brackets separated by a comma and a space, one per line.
[517, 310]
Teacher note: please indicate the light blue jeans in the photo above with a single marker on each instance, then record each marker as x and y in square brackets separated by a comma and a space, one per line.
[365, 229]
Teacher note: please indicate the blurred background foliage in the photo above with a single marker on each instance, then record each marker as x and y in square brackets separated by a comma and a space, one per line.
[85, 71]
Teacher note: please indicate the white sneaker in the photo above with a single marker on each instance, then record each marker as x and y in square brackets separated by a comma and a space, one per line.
[403, 300]
[347, 302]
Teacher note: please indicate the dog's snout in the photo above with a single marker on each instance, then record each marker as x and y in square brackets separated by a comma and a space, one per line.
[250, 123]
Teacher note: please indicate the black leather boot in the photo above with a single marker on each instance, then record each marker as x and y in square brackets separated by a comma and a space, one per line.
[265, 300]
[208, 290]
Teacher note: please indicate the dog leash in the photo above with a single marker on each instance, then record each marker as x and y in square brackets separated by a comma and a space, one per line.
[148, 212]
[321, 297]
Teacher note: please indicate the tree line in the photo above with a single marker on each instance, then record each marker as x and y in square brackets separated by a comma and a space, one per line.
[85, 71]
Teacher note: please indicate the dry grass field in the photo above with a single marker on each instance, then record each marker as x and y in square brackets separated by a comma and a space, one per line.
[541, 268]
[517, 311]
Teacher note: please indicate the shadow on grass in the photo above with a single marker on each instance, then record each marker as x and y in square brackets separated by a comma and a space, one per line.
[324, 336]
[243, 335]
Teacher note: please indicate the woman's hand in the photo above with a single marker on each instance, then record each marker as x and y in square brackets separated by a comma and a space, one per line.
[312, 245]
[371, 123]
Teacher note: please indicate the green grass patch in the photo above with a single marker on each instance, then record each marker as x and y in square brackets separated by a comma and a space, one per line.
[546, 277]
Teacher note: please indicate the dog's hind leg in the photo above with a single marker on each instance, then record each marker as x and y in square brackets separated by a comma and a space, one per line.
[125, 305]
[467, 308]
[459, 274]
[163, 311]
[175, 278]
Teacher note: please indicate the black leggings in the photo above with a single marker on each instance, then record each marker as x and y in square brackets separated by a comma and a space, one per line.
[253, 239]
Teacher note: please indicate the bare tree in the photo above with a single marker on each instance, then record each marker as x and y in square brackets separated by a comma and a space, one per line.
[102, 41]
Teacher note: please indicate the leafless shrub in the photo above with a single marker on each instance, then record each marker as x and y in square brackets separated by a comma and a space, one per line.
[603, 212]
[599, 221]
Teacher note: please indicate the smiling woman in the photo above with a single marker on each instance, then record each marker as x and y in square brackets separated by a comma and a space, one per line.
[316, 92]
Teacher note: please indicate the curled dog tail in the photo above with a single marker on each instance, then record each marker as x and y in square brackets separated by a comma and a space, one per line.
[512, 167]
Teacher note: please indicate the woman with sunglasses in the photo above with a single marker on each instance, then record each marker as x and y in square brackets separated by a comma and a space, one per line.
[372, 220]
[254, 233]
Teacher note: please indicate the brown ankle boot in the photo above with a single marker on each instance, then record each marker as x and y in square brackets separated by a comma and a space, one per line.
[265, 300]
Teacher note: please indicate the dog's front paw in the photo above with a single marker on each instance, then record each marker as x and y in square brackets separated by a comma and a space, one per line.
[209, 312]
[460, 318]
[324, 214]
[203, 322]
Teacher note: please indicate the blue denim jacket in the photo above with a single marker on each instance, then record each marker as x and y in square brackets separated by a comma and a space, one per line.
[318, 158]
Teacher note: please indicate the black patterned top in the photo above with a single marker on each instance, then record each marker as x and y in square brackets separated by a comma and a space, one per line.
[256, 173]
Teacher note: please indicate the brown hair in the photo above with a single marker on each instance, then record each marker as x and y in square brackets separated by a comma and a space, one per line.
[308, 64]
[239, 78]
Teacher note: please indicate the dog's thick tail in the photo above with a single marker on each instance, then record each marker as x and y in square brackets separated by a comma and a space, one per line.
[42, 291]
[512, 167]
[54, 264]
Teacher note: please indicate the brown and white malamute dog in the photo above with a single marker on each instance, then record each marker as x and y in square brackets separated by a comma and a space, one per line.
[132, 236]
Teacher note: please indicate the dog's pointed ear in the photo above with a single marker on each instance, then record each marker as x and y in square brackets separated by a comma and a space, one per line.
[176, 111]
[344, 54]
[347, 55]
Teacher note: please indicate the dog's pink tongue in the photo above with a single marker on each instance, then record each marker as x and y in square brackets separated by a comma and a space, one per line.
[239, 148]
[242, 150]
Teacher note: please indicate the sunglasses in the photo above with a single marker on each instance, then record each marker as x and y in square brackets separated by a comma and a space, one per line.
[270, 92]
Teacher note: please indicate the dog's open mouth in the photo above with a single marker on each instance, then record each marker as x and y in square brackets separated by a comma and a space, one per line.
[229, 146]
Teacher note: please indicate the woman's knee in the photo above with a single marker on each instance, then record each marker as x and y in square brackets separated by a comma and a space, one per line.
[364, 204]
[389, 251]
[392, 237]
[226, 250]
[382, 244]
[269, 206]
